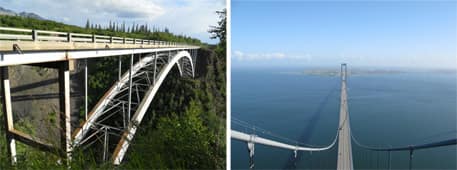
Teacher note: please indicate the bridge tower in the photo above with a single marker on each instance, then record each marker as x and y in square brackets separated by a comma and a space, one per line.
[343, 72]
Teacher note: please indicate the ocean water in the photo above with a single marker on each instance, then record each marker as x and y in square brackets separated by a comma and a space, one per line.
[395, 109]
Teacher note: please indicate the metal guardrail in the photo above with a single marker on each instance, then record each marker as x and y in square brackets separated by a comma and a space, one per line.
[20, 34]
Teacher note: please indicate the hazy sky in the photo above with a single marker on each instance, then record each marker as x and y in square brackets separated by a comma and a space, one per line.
[389, 33]
[191, 17]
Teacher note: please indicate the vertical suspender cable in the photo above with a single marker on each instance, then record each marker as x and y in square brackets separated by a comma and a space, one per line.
[85, 89]
[120, 68]
[130, 88]
[411, 158]
[155, 66]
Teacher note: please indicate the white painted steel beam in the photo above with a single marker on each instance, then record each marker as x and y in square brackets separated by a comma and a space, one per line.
[109, 96]
[65, 112]
[127, 136]
[8, 114]
[32, 57]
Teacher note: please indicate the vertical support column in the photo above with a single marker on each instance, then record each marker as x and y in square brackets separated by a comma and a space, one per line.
[155, 66]
[251, 154]
[343, 72]
[64, 101]
[105, 145]
[169, 56]
[251, 148]
[411, 158]
[85, 88]
[120, 68]
[130, 89]
[195, 61]
[8, 114]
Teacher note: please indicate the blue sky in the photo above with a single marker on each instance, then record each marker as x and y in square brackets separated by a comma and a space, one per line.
[190, 17]
[419, 34]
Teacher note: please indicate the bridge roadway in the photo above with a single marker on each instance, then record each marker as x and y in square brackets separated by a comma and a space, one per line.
[344, 137]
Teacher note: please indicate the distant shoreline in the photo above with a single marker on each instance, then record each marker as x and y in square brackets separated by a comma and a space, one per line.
[355, 72]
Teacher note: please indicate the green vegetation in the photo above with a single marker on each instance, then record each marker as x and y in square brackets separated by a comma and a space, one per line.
[185, 125]
[137, 31]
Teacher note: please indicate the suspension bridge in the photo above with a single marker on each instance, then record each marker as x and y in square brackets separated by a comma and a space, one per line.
[343, 136]
[112, 123]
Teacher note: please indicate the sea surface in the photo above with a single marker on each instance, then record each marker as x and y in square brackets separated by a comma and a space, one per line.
[386, 109]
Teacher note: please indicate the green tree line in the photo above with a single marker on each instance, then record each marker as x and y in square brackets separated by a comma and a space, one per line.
[113, 29]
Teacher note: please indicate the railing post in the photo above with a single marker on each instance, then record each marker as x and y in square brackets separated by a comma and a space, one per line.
[34, 35]
[69, 36]
[111, 39]
[134, 41]
[94, 39]
[123, 40]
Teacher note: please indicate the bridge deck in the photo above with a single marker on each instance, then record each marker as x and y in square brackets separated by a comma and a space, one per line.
[32, 57]
[344, 140]
[30, 46]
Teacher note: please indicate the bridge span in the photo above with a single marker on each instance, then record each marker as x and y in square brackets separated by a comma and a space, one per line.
[112, 123]
[343, 136]
[344, 130]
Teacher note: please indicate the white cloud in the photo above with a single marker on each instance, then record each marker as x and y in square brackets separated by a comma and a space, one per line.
[126, 8]
[277, 56]
[254, 56]
[191, 16]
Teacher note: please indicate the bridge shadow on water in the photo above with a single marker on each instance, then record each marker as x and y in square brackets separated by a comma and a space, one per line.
[309, 129]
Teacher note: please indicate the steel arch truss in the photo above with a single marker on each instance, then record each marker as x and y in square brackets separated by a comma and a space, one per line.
[112, 123]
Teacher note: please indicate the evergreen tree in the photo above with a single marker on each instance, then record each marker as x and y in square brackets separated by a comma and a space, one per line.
[87, 24]
[220, 32]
